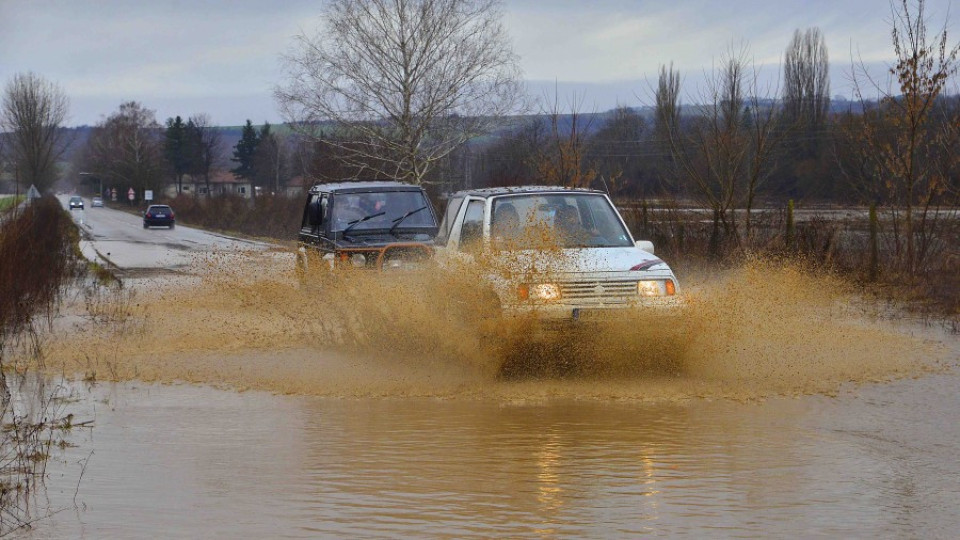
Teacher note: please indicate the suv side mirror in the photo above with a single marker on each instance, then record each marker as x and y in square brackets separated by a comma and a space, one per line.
[645, 245]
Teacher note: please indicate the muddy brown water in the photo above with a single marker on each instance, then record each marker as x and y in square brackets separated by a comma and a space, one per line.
[184, 461]
[774, 403]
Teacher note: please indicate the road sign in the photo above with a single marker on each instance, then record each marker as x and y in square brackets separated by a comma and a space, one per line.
[130, 194]
[148, 195]
[113, 194]
[33, 193]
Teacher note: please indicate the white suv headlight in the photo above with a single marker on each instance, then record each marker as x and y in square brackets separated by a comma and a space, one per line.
[539, 292]
[649, 288]
[656, 288]
[358, 259]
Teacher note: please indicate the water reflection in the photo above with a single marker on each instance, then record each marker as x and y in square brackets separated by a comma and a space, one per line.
[183, 461]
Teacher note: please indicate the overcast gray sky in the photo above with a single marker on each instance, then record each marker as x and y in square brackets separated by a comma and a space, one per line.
[221, 57]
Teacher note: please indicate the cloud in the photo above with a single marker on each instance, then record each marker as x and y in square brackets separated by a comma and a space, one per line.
[174, 51]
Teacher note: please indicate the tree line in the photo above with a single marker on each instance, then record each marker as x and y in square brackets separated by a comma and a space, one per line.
[130, 148]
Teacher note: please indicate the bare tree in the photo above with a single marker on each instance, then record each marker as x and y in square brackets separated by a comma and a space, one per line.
[806, 80]
[806, 103]
[404, 82]
[726, 153]
[125, 148]
[667, 104]
[909, 137]
[206, 145]
[509, 160]
[615, 151]
[32, 114]
[561, 157]
[764, 140]
[710, 155]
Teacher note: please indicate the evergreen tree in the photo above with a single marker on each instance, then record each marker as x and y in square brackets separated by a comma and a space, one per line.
[175, 149]
[269, 161]
[244, 151]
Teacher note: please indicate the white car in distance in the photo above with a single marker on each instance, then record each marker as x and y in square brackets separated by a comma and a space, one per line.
[563, 254]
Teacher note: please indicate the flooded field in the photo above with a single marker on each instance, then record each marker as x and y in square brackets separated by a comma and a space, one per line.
[773, 402]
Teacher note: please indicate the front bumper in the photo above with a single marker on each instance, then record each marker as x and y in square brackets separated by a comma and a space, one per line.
[595, 312]
[395, 256]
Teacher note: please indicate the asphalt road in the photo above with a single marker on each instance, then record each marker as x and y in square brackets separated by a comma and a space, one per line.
[119, 240]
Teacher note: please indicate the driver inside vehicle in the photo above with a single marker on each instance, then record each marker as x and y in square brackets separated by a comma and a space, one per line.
[567, 222]
[569, 229]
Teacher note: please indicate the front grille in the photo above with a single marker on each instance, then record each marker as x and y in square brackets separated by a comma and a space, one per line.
[621, 291]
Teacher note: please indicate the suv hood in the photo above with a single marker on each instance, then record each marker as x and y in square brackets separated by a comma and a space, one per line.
[574, 260]
[361, 239]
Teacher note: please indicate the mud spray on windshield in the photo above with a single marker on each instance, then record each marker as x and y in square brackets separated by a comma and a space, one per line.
[760, 329]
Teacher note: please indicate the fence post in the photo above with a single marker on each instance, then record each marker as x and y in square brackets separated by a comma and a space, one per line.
[874, 267]
[644, 220]
[791, 232]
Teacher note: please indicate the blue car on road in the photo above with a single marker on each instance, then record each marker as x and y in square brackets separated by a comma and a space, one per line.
[158, 215]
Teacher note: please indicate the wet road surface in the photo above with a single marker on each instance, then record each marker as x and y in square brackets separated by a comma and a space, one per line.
[118, 240]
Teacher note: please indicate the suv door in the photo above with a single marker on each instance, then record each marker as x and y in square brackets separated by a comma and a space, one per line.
[313, 224]
[467, 233]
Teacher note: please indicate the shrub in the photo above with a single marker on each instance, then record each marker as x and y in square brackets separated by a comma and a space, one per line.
[272, 216]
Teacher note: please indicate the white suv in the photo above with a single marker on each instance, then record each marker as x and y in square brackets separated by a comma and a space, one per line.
[561, 253]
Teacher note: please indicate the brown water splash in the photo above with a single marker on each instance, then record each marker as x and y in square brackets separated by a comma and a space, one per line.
[764, 328]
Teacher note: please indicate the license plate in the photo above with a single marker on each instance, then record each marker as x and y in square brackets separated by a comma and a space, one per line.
[587, 314]
[161, 215]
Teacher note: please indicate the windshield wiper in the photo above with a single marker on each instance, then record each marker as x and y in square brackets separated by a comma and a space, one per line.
[399, 220]
[354, 223]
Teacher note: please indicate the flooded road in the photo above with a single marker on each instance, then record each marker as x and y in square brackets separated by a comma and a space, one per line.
[186, 461]
[776, 403]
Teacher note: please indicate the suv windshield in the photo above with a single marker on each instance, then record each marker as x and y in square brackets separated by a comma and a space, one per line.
[381, 210]
[566, 219]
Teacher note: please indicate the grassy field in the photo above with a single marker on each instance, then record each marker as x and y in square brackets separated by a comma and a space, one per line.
[9, 201]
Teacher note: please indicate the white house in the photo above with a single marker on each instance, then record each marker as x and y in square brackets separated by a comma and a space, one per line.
[221, 183]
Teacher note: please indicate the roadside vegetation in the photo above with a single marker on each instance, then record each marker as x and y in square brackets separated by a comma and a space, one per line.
[7, 203]
[38, 261]
[267, 216]
[842, 241]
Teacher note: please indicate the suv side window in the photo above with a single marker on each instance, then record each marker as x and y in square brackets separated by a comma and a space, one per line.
[313, 214]
[449, 218]
[471, 233]
[324, 211]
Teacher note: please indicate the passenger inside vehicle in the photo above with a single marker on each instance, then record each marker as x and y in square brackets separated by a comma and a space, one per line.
[506, 223]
